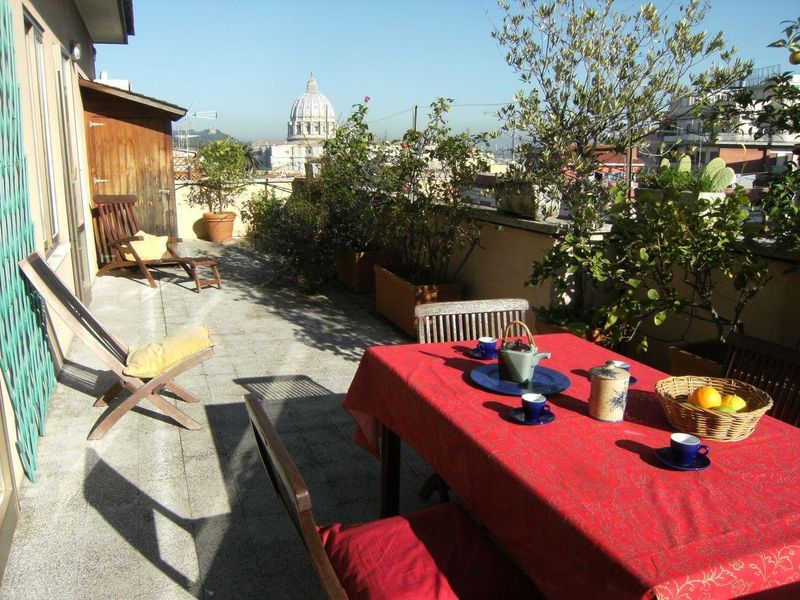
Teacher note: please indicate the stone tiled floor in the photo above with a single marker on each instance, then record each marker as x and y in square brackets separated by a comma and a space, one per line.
[156, 511]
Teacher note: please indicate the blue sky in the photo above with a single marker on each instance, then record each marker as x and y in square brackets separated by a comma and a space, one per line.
[250, 59]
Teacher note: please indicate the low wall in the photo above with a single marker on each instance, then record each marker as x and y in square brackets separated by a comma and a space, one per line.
[499, 267]
[190, 218]
[501, 264]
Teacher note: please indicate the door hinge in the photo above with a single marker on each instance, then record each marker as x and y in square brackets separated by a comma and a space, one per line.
[97, 124]
[96, 180]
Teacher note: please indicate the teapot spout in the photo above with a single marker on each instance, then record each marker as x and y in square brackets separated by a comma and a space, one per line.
[540, 356]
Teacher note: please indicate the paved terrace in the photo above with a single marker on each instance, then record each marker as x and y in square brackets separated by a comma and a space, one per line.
[156, 511]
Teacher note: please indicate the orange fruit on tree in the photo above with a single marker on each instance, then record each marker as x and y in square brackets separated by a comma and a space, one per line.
[705, 397]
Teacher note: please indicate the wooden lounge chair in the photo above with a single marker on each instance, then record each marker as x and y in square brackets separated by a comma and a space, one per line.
[115, 230]
[436, 552]
[458, 321]
[771, 367]
[112, 351]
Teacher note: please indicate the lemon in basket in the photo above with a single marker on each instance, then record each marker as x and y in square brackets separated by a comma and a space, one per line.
[734, 402]
[705, 397]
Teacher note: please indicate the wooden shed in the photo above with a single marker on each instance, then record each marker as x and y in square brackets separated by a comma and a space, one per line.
[129, 140]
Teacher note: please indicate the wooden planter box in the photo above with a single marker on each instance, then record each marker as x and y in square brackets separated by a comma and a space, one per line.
[356, 269]
[683, 361]
[395, 298]
[596, 336]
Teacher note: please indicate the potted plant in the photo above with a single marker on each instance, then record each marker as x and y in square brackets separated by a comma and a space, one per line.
[294, 232]
[223, 167]
[594, 80]
[672, 257]
[349, 178]
[681, 181]
[522, 193]
[427, 217]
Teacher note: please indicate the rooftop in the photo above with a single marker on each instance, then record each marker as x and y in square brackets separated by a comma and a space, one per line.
[156, 511]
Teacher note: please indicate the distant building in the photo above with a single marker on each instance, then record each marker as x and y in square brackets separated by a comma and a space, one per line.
[739, 149]
[312, 120]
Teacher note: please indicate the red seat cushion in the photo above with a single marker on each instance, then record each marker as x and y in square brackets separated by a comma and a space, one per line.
[437, 553]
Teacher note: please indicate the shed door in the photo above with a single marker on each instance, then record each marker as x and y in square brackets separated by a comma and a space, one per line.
[134, 156]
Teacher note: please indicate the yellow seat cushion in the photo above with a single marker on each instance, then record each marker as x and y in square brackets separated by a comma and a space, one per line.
[152, 247]
[150, 361]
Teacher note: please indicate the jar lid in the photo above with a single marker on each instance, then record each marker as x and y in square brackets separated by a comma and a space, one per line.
[608, 372]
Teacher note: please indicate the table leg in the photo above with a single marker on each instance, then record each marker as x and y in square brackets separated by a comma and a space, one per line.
[390, 473]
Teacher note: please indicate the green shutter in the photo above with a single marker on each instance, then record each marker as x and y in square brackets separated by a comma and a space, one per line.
[24, 353]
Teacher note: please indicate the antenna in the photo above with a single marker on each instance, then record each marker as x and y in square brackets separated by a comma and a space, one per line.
[188, 120]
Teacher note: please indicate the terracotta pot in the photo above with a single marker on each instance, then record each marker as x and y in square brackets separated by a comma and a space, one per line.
[683, 361]
[219, 225]
[596, 336]
[395, 298]
[356, 269]
[543, 327]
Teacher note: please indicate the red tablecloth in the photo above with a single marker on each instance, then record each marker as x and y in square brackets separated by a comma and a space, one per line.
[584, 506]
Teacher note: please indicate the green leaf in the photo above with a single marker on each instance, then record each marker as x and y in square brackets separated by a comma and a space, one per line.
[653, 294]
[610, 320]
[660, 317]
[642, 346]
[633, 282]
[643, 254]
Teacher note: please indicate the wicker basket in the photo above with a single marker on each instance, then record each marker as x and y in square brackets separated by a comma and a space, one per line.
[673, 393]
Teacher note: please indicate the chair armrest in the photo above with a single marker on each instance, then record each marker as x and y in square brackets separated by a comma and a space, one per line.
[126, 240]
[174, 240]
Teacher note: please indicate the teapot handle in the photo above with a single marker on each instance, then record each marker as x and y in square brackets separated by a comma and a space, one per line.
[510, 325]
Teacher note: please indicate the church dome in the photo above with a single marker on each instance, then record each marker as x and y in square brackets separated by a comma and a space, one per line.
[311, 117]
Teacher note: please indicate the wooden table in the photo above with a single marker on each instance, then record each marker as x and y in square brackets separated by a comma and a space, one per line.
[583, 506]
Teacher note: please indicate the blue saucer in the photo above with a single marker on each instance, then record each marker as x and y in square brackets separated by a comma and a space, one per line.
[546, 382]
[475, 353]
[700, 462]
[518, 416]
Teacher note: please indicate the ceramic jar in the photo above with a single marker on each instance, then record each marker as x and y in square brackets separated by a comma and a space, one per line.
[609, 393]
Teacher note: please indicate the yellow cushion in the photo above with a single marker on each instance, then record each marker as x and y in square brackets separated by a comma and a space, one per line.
[152, 247]
[152, 360]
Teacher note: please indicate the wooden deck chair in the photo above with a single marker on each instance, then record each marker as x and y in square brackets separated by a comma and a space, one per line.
[468, 320]
[459, 321]
[435, 552]
[116, 228]
[769, 366]
[112, 351]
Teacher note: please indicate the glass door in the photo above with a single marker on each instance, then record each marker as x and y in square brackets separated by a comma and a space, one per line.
[72, 183]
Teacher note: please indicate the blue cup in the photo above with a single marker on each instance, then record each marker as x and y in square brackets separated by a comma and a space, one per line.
[534, 407]
[685, 448]
[487, 346]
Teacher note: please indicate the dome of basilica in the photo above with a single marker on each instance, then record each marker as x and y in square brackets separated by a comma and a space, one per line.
[311, 117]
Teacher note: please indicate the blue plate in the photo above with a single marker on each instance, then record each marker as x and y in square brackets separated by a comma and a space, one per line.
[547, 382]
[700, 462]
[475, 353]
[518, 416]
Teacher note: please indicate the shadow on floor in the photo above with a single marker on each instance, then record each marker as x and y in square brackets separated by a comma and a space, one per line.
[253, 550]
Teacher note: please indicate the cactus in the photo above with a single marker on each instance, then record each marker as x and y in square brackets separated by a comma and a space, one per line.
[685, 164]
[717, 176]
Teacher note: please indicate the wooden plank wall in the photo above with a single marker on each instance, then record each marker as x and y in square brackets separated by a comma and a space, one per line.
[130, 146]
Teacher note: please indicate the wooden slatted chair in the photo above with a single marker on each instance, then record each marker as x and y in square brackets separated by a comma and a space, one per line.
[439, 552]
[116, 228]
[460, 321]
[112, 351]
[468, 320]
[771, 367]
